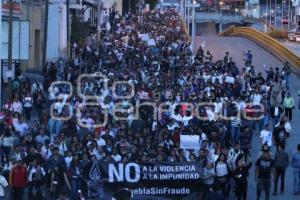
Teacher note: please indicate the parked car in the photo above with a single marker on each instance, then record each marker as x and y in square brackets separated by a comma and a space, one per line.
[294, 35]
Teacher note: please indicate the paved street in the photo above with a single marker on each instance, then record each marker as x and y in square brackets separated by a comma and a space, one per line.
[218, 46]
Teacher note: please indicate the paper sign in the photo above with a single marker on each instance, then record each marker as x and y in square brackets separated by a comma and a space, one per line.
[229, 79]
[144, 37]
[214, 78]
[151, 42]
[189, 142]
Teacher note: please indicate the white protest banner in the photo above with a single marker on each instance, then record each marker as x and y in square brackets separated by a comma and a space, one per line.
[189, 142]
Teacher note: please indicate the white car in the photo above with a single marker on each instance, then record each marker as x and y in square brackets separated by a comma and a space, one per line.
[294, 35]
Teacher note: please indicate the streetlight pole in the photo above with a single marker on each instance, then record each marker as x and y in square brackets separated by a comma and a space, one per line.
[221, 17]
[0, 56]
[185, 19]
[275, 19]
[99, 18]
[271, 12]
[189, 16]
[282, 14]
[266, 14]
[45, 32]
[68, 29]
[181, 8]
[193, 27]
[289, 15]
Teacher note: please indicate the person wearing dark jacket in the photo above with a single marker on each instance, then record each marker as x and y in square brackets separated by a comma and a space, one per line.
[281, 162]
[280, 135]
[241, 179]
[243, 163]
[276, 111]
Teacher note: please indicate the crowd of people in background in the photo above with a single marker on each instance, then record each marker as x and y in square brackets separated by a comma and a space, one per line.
[45, 142]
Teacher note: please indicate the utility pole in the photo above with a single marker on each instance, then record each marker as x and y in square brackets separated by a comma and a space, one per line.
[282, 14]
[189, 1]
[68, 29]
[45, 32]
[221, 17]
[181, 9]
[99, 20]
[270, 12]
[275, 19]
[289, 14]
[193, 27]
[0, 56]
[184, 10]
[10, 38]
[267, 11]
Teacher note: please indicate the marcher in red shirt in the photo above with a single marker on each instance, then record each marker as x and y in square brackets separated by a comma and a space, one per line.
[18, 180]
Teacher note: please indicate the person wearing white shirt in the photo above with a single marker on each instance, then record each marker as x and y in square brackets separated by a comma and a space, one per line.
[3, 186]
[116, 156]
[27, 106]
[218, 106]
[171, 126]
[186, 119]
[68, 159]
[177, 117]
[100, 142]
[241, 105]
[266, 136]
[46, 152]
[89, 122]
[59, 106]
[17, 106]
[256, 98]
[21, 127]
[62, 147]
[51, 94]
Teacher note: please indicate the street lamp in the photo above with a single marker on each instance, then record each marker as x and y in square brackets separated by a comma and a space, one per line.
[181, 8]
[275, 19]
[221, 18]
[193, 26]
[271, 12]
[282, 16]
[289, 15]
[189, 5]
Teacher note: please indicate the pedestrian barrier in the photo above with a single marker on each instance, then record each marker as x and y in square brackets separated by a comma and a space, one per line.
[253, 20]
[270, 44]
